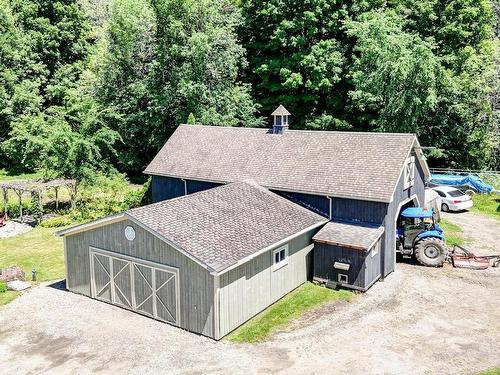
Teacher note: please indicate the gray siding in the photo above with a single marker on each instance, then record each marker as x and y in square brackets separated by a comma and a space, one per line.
[364, 268]
[400, 195]
[253, 286]
[358, 210]
[196, 283]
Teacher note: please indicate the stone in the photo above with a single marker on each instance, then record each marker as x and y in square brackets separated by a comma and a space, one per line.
[12, 273]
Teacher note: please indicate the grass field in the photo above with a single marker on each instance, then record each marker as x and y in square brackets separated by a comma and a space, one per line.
[290, 307]
[37, 249]
[493, 371]
[7, 297]
[8, 175]
[487, 204]
[453, 233]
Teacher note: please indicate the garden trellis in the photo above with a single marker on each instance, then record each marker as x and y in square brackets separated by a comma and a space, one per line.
[39, 188]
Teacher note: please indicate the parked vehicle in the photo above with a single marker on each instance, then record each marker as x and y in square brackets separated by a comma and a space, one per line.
[417, 234]
[453, 199]
[468, 182]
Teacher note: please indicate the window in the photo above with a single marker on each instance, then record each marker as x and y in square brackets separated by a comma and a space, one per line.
[409, 172]
[343, 278]
[280, 257]
[441, 194]
[455, 193]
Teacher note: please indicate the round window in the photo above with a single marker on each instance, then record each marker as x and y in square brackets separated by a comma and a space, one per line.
[129, 233]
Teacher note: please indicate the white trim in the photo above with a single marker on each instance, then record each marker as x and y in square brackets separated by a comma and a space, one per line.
[401, 204]
[65, 249]
[91, 225]
[282, 263]
[285, 190]
[330, 207]
[270, 247]
[340, 276]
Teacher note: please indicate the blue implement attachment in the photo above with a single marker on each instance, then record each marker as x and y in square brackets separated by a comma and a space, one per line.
[416, 212]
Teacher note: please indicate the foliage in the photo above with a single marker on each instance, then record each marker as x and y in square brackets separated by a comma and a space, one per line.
[57, 222]
[90, 86]
[290, 307]
[163, 60]
[102, 195]
[37, 249]
[3, 287]
[487, 204]
[452, 233]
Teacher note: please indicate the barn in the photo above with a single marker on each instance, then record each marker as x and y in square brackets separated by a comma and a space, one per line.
[242, 216]
[359, 179]
[205, 262]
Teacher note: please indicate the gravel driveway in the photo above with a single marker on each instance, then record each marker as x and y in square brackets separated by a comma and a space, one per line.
[419, 320]
[482, 232]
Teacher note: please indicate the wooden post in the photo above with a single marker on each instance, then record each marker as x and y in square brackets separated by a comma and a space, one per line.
[20, 195]
[57, 199]
[5, 200]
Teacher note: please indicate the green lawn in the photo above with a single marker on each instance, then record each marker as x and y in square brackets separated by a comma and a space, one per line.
[38, 249]
[453, 233]
[290, 307]
[7, 297]
[492, 371]
[8, 175]
[487, 204]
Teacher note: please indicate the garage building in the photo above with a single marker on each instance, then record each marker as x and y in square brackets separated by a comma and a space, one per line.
[205, 262]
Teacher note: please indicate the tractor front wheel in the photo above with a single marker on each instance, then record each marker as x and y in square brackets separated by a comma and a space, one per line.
[431, 252]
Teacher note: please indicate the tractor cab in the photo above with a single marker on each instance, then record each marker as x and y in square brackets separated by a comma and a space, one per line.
[417, 234]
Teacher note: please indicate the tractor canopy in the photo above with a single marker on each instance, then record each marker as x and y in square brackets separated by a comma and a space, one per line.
[416, 212]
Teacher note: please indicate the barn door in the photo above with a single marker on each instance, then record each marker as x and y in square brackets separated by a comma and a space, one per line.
[146, 287]
[101, 276]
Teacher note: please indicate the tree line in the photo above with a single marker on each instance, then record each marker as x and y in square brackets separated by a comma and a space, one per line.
[100, 85]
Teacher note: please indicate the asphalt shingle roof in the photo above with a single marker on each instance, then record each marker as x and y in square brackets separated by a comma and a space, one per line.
[341, 164]
[358, 236]
[224, 225]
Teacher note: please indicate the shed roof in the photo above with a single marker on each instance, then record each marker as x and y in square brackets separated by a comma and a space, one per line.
[223, 226]
[354, 165]
[359, 236]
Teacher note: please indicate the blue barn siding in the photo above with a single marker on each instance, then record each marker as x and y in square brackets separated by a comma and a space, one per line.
[400, 195]
[316, 203]
[163, 188]
[171, 187]
[358, 210]
[196, 186]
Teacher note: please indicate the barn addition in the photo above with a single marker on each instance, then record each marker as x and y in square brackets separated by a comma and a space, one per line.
[205, 262]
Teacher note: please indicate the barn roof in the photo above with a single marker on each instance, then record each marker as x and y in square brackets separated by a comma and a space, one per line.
[354, 165]
[223, 226]
[355, 235]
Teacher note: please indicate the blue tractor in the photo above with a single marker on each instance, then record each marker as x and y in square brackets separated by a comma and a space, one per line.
[417, 234]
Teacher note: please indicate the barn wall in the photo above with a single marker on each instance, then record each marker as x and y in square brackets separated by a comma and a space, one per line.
[364, 268]
[196, 284]
[253, 286]
[317, 203]
[163, 188]
[400, 195]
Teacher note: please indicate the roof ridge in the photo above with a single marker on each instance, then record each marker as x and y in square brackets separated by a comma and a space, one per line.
[299, 130]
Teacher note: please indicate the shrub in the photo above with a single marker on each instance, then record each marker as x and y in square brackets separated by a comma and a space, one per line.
[3, 287]
[56, 222]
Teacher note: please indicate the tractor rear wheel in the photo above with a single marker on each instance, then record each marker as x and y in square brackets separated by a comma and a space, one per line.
[431, 252]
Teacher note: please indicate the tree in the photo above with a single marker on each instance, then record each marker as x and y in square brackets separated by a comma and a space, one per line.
[297, 58]
[163, 60]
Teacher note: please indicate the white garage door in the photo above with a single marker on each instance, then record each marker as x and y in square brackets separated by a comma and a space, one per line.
[148, 288]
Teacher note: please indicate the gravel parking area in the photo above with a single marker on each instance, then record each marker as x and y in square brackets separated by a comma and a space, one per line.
[419, 321]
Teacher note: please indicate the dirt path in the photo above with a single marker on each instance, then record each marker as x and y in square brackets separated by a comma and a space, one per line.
[418, 321]
[482, 232]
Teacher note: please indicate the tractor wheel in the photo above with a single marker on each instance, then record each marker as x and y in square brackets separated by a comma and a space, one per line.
[431, 252]
[444, 207]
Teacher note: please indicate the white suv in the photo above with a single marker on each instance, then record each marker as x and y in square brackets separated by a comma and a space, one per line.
[453, 199]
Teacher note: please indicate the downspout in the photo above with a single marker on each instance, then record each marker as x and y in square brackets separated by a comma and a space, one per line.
[330, 209]
[185, 186]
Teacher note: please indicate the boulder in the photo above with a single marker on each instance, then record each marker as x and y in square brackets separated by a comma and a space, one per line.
[18, 285]
[11, 273]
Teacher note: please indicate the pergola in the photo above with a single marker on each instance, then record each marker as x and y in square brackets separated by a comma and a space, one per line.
[38, 187]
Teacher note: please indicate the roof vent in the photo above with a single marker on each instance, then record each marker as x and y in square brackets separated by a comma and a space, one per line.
[280, 124]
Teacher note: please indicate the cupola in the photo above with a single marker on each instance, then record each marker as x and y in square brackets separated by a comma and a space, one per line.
[280, 124]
